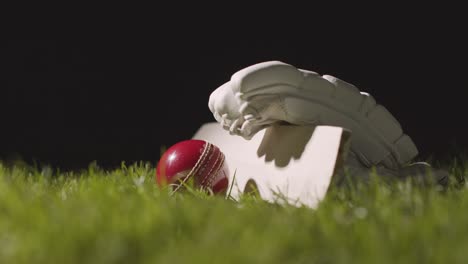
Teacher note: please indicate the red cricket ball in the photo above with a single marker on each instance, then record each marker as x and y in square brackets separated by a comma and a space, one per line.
[193, 159]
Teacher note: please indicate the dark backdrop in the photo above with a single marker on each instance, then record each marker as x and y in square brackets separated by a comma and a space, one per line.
[120, 91]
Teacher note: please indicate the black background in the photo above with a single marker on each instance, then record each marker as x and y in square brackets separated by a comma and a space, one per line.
[120, 87]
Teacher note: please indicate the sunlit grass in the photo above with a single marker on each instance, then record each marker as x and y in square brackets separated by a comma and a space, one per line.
[121, 216]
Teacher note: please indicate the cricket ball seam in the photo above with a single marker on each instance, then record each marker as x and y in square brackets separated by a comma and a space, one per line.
[216, 166]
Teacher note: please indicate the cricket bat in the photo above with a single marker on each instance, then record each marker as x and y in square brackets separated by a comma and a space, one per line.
[286, 163]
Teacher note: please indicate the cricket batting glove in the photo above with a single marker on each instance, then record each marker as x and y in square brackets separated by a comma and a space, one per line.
[266, 93]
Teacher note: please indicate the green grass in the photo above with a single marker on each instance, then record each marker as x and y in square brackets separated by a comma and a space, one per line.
[120, 216]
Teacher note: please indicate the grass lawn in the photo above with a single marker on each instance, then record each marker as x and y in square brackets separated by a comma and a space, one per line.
[120, 216]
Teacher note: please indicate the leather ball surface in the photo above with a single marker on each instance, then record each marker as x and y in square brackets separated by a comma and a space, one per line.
[193, 159]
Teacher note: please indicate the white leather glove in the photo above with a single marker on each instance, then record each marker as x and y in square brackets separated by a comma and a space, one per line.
[262, 94]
